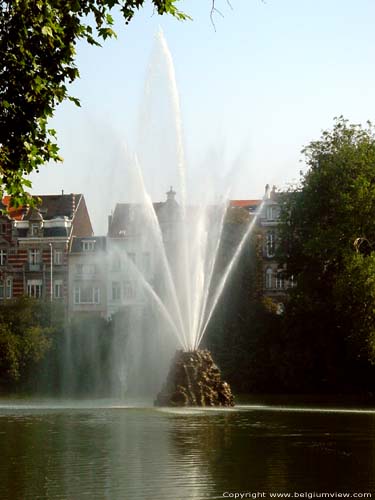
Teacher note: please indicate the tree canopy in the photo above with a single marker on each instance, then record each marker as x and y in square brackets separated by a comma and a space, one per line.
[328, 238]
[27, 327]
[37, 53]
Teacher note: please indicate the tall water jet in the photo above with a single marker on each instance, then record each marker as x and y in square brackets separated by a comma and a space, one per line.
[185, 241]
[167, 304]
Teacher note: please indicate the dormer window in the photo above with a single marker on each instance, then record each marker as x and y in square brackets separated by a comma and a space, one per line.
[34, 229]
[88, 245]
[273, 213]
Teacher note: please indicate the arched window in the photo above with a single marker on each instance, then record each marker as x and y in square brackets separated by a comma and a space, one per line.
[269, 278]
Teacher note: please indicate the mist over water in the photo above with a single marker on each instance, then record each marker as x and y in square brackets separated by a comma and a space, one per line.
[174, 295]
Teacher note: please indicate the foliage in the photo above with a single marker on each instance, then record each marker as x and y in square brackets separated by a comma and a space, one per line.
[330, 318]
[26, 332]
[37, 51]
[243, 332]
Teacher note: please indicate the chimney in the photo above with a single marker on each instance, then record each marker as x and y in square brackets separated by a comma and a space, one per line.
[171, 194]
[267, 192]
[73, 203]
[110, 217]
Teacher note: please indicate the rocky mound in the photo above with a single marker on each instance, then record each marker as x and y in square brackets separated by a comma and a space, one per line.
[194, 380]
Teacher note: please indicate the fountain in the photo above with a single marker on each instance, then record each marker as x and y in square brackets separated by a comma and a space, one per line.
[184, 243]
[179, 287]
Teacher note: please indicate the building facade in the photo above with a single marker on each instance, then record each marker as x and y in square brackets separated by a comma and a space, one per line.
[35, 244]
[87, 289]
[272, 280]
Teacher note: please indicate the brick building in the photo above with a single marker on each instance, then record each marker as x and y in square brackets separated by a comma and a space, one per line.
[272, 278]
[34, 245]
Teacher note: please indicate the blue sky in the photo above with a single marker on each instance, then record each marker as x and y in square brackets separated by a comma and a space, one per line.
[253, 92]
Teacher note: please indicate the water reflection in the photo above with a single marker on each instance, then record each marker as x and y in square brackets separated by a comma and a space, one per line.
[149, 454]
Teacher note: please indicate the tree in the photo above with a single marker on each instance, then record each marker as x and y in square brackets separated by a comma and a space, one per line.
[327, 235]
[37, 53]
[26, 333]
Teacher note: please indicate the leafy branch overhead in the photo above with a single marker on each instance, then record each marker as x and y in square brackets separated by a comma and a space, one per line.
[37, 50]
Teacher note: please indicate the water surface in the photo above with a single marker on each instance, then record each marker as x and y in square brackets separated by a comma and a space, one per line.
[90, 450]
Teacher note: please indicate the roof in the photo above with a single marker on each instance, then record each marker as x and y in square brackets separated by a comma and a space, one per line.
[51, 206]
[245, 203]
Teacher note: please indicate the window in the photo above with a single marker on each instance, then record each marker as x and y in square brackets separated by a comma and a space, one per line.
[89, 269]
[34, 229]
[1, 289]
[273, 213]
[3, 228]
[131, 256]
[146, 262]
[85, 268]
[9, 288]
[3, 257]
[269, 278]
[34, 288]
[116, 291]
[116, 263]
[292, 281]
[280, 281]
[88, 245]
[86, 295]
[34, 256]
[129, 290]
[58, 257]
[58, 288]
[270, 243]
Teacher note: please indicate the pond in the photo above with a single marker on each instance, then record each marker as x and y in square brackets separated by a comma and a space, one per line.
[104, 450]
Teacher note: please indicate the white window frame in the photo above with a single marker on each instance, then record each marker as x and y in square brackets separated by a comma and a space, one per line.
[35, 288]
[58, 257]
[269, 278]
[270, 243]
[116, 291]
[88, 245]
[280, 280]
[9, 288]
[129, 290]
[34, 256]
[272, 212]
[3, 256]
[95, 295]
[34, 229]
[58, 289]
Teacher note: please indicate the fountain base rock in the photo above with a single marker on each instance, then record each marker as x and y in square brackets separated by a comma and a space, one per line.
[194, 380]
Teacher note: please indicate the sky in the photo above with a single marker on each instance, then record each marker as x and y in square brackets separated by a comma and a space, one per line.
[254, 89]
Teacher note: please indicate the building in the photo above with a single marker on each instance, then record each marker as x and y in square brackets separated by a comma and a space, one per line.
[87, 276]
[272, 277]
[132, 236]
[34, 245]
